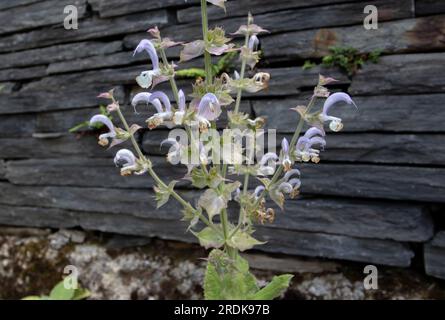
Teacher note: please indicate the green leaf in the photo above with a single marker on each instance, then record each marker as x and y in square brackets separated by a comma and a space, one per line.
[191, 73]
[162, 193]
[277, 196]
[243, 241]
[274, 289]
[212, 203]
[209, 238]
[80, 294]
[308, 65]
[201, 180]
[212, 283]
[228, 278]
[59, 292]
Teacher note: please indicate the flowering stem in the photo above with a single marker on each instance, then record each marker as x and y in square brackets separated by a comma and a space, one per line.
[237, 106]
[156, 178]
[297, 133]
[242, 73]
[205, 30]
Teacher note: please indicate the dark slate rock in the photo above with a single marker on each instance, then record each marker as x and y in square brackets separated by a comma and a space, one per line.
[120, 224]
[96, 62]
[22, 73]
[37, 15]
[112, 8]
[7, 4]
[434, 256]
[391, 37]
[402, 74]
[372, 181]
[268, 16]
[292, 80]
[58, 53]
[383, 148]
[139, 203]
[2, 170]
[17, 126]
[240, 8]
[389, 113]
[354, 218]
[56, 147]
[279, 240]
[429, 7]
[336, 247]
[88, 29]
[86, 172]
[364, 219]
[62, 99]
[82, 80]
[7, 87]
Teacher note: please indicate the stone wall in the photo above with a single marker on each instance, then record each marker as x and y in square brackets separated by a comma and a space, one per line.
[376, 197]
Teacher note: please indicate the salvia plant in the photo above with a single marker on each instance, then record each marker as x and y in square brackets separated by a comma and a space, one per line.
[228, 176]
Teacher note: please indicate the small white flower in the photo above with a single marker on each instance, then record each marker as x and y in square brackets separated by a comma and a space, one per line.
[103, 138]
[289, 184]
[335, 123]
[178, 117]
[161, 102]
[126, 160]
[267, 164]
[209, 109]
[304, 150]
[285, 159]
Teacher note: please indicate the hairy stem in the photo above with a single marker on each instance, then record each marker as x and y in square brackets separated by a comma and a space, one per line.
[242, 73]
[237, 106]
[205, 30]
[172, 78]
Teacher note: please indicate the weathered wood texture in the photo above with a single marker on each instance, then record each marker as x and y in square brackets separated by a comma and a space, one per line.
[391, 37]
[289, 242]
[434, 256]
[37, 14]
[429, 7]
[382, 113]
[369, 198]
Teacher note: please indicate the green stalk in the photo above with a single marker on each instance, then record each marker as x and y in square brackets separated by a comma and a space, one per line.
[225, 226]
[293, 142]
[172, 78]
[205, 30]
[242, 73]
[237, 105]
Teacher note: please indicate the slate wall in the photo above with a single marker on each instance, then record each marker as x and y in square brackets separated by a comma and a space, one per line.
[376, 197]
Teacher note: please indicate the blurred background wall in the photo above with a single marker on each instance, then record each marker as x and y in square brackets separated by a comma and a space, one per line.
[376, 197]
